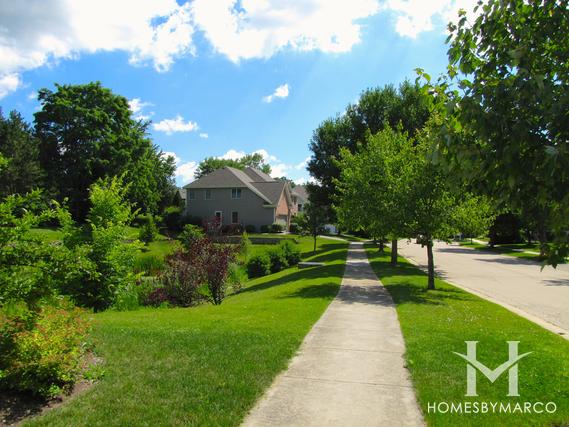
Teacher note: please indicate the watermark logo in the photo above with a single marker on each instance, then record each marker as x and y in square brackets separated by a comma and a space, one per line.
[473, 365]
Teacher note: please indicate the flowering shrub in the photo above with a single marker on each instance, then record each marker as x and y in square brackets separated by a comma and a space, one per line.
[41, 351]
[181, 279]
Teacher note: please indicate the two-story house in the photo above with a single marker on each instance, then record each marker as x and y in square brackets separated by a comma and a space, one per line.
[246, 197]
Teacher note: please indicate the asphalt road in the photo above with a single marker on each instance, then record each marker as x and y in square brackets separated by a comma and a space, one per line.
[521, 285]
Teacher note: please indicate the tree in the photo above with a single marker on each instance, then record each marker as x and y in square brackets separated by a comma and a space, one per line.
[20, 148]
[510, 64]
[253, 160]
[312, 221]
[378, 108]
[373, 187]
[86, 132]
[473, 215]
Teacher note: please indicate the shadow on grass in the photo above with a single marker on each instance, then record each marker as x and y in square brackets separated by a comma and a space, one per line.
[321, 250]
[304, 274]
[314, 291]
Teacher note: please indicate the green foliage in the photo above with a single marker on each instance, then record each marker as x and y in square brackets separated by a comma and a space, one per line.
[265, 229]
[250, 228]
[87, 133]
[41, 351]
[474, 215]
[376, 109]
[182, 279]
[312, 220]
[148, 231]
[190, 234]
[101, 247]
[278, 259]
[510, 63]
[290, 251]
[22, 171]
[277, 227]
[148, 264]
[236, 277]
[505, 229]
[254, 160]
[172, 217]
[259, 265]
[245, 246]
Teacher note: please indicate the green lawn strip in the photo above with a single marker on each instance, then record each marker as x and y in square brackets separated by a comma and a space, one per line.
[205, 365]
[47, 235]
[503, 250]
[352, 238]
[436, 323]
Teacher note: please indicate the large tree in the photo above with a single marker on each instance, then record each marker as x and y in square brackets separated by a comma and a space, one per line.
[511, 65]
[253, 160]
[21, 151]
[407, 107]
[86, 132]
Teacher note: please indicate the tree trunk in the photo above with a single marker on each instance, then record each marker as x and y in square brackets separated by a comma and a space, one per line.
[381, 246]
[314, 250]
[394, 252]
[542, 236]
[431, 265]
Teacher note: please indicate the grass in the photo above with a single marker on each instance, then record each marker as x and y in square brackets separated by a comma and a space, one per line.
[436, 323]
[511, 250]
[205, 365]
[48, 235]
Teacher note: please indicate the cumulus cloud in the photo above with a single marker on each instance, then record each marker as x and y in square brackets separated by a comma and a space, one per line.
[9, 83]
[258, 29]
[136, 105]
[37, 32]
[185, 171]
[280, 92]
[417, 16]
[176, 124]
[278, 167]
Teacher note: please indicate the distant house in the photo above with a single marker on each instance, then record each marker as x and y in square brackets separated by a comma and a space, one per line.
[299, 198]
[246, 197]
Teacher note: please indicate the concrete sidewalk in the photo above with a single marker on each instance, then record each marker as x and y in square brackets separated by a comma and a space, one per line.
[349, 370]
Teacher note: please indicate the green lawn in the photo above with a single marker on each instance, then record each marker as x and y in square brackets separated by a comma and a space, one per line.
[511, 250]
[436, 323]
[205, 365]
[48, 235]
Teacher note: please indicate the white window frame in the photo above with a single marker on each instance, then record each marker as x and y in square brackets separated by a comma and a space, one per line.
[206, 192]
[237, 193]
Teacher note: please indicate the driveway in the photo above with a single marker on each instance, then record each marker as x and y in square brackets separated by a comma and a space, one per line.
[519, 285]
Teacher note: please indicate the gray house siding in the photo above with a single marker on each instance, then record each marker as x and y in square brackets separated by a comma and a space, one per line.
[249, 207]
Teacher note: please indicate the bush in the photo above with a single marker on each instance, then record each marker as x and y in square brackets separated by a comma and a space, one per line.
[173, 218]
[190, 234]
[181, 279]
[148, 265]
[278, 259]
[41, 351]
[148, 231]
[259, 265]
[189, 219]
[250, 229]
[277, 227]
[265, 228]
[157, 297]
[290, 251]
[236, 277]
[245, 246]
[294, 228]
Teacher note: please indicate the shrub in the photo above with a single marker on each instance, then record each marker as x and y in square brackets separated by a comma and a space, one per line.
[290, 251]
[250, 229]
[148, 265]
[294, 228]
[190, 234]
[259, 265]
[265, 228]
[148, 231]
[41, 351]
[173, 218]
[278, 259]
[236, 277]
[157, 297]
[181, 279]
[245, 246]
[277, 227]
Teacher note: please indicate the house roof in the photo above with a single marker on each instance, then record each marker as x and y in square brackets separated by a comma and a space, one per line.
[300, 191]
[258, 182]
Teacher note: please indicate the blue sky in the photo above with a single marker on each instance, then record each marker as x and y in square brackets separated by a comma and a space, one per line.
[222, 77]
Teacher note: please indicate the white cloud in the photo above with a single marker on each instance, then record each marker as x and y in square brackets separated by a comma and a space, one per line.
[417, 16]
[9, 83]
[176, 124]
[280, 92]
[172, 154]
[136, 105]
[258, 29]
[204, 135]
[38, 32]
[232, 155]
[303, 164]
[185, 171]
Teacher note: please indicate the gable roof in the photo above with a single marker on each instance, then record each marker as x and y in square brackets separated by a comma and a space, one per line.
[300, 191]
[258, 182]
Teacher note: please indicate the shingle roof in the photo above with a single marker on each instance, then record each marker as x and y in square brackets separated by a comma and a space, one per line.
[300, 191]
[258, 182]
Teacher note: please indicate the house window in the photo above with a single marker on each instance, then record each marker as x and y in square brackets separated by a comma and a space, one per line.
[207, 195]
[192, 194]
[235, 193]
[218, 217]
[234, 217]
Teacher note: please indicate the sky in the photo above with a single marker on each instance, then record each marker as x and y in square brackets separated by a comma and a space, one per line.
[222, 77]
